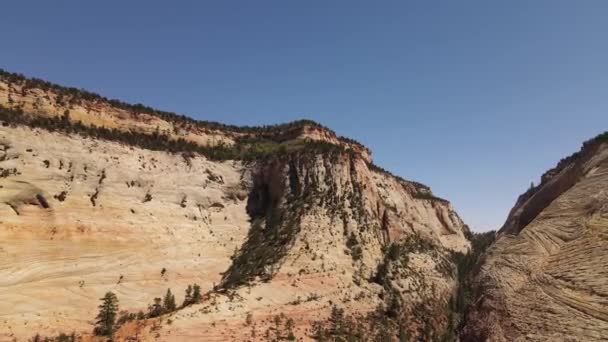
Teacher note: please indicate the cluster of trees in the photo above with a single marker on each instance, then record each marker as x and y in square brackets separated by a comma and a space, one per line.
[154, 141]
[109, 318]
[251, 149]
[396, 256]
[163, 305]
[350, 141]
[600, 138]
[395, 253]
[193, 295]
[4, 173]
[375, 326]
[281, 330]
[62, 337]
[355, 249]
[273, 230]
[424, 192]
[76, 96]
[430, 197]
[460, 302]
[466, 293]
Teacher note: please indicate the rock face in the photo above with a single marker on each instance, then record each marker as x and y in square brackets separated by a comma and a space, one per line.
[80, 217]
[545, 278]
[290, 234]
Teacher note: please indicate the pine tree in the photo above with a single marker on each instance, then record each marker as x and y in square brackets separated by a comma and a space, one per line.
[169, 301]
[196, 293]
[319, 333]
[427, 331]
[289, 325]
[188, 297]
[63, 338]
[336, 320]
[403, 336]
[107, 315]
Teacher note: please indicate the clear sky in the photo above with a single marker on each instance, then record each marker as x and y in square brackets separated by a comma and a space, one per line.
[474, 98]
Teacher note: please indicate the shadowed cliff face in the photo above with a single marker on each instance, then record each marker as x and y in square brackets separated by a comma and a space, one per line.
[545, 277]
[340, 185]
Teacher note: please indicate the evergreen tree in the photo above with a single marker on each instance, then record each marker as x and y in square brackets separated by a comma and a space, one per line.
[156, 309]
[403, 337]
[107, 315]
[169, 301]
[319, 333]
[336, 321]
[427, 331]
[394, 307]
[289, 325]
[196, 293]
[188, 297]
[63, 338]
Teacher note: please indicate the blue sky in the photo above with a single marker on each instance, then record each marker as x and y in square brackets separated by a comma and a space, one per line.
[474, 98]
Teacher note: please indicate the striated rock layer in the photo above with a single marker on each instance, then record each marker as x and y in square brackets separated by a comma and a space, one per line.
[45, 100]
[546, 277]
[290, 235]
[80, 217]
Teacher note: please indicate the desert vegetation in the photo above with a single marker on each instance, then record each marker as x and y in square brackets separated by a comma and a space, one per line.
[462, 300]
[245, 149]
[110, 318]
[284, 180]
[69, 96]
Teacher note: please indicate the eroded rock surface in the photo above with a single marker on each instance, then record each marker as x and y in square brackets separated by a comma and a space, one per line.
[287, 235]
[546, 277]
[115, 217]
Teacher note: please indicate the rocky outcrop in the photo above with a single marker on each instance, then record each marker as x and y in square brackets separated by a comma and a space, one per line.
[554, 183]
[322, 226]
[545, 278]
[293, 232]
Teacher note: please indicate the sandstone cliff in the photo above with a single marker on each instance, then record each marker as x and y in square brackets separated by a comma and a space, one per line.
[286, 221]
[545, 278]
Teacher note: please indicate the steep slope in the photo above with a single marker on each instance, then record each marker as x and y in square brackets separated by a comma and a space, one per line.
[275, 223]
[321, 244]
[546, 278]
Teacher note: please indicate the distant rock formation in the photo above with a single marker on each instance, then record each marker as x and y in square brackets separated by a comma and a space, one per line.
[546, 277]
